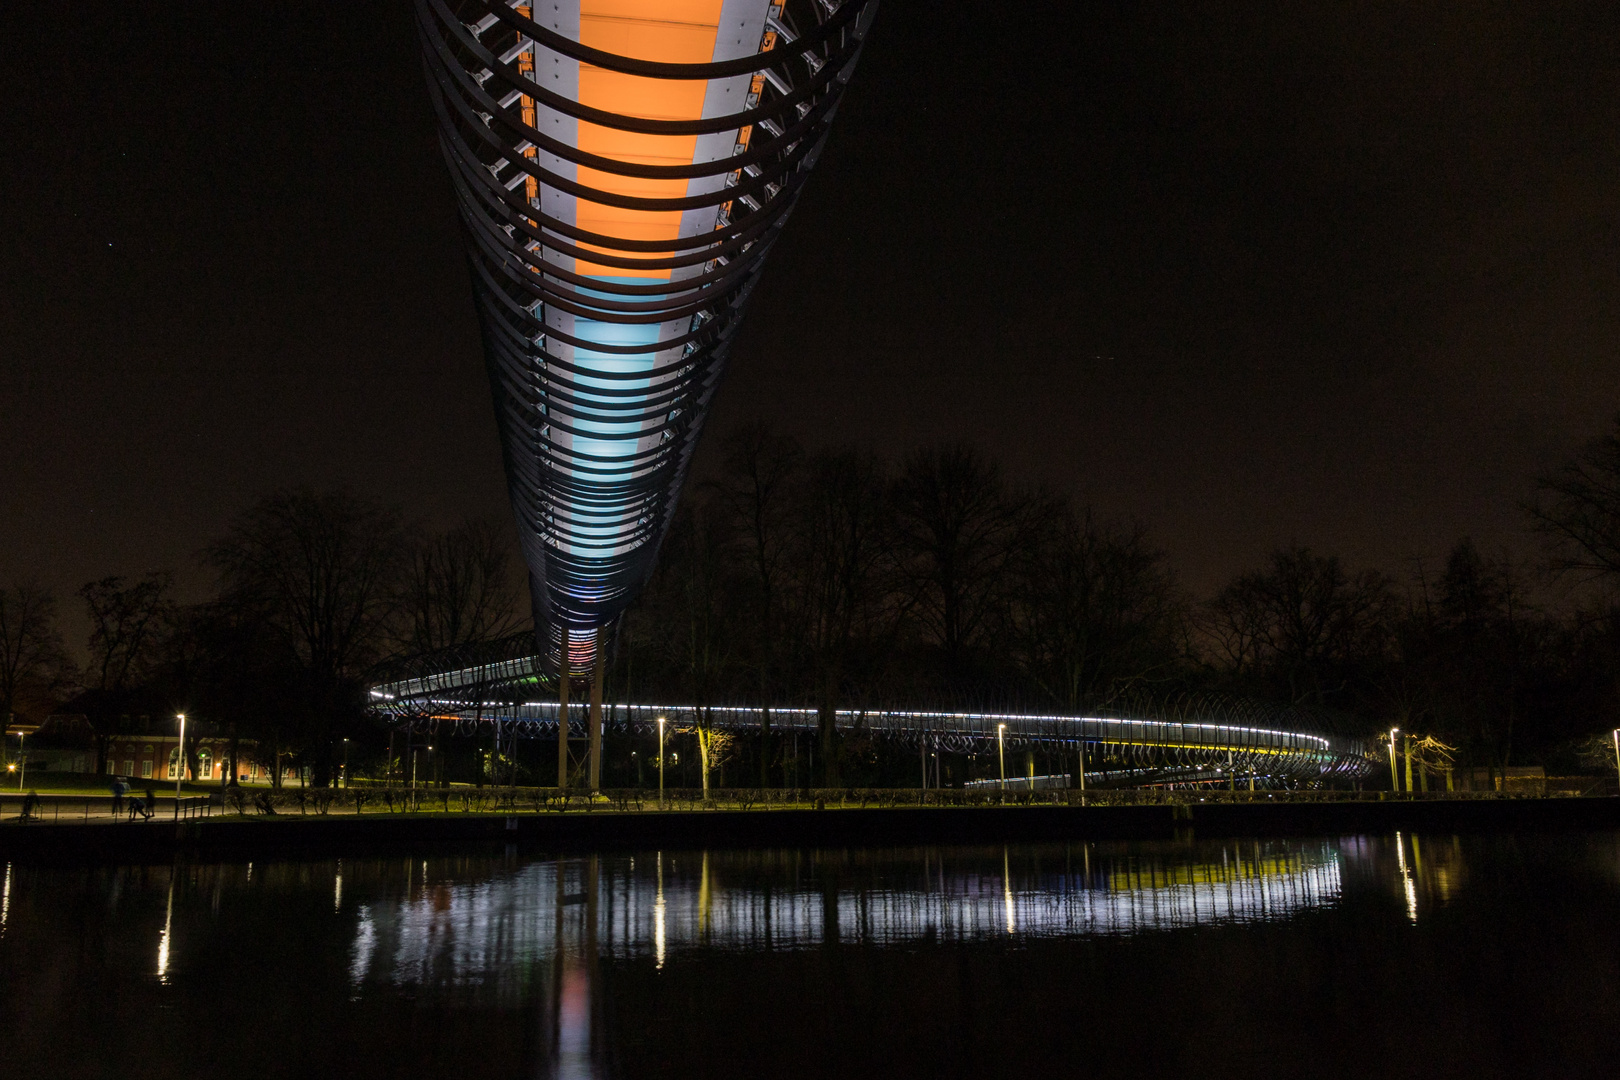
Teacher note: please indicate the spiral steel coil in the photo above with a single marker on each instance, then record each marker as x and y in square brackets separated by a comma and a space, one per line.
[622, 167]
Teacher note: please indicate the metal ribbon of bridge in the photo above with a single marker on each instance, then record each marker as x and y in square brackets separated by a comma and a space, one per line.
[1201, 735]
[621, 167]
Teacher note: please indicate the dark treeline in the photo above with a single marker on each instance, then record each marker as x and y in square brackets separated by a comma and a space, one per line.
[840, 580]
[837, 579]
[313, 590]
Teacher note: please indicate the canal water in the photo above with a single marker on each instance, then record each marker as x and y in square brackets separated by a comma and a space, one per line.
[1370, 956]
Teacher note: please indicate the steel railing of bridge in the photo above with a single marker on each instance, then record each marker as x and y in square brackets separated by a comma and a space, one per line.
[1228, 737]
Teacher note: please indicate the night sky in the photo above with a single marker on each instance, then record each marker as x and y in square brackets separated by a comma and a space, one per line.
[1340, 273]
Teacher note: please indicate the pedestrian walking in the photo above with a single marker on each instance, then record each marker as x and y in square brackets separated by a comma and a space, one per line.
[119, 790]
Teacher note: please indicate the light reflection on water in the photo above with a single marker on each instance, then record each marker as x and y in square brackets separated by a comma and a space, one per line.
[576, 956]
[540, 929]
[624, 907]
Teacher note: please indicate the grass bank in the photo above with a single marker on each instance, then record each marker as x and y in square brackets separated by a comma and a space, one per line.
[229, 835]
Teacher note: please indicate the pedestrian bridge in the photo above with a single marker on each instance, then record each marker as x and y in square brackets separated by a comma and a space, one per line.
[1189, 738]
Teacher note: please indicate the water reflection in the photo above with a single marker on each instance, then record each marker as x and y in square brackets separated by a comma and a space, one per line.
[577, 955]
[450, 933]
[537, 931]
[164, 937]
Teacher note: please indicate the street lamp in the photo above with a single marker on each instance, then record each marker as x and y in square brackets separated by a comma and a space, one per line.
[180, 762]
[345, 762]
[22, 759]
[1394, 777]
[660, 761]
[1001, 752]
[1617, 750]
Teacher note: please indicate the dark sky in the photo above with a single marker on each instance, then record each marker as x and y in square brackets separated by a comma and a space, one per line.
[1341, 273]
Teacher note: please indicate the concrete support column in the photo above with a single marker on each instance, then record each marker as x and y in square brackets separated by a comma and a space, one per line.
[563, 674]
[596, 711]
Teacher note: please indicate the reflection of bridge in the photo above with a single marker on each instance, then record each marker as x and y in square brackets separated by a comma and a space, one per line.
[1195, 739]
[659, 905]
[554, 940]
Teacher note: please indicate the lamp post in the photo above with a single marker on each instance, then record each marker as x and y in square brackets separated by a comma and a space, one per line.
[345, 762]
[22, 759]
[180, 761]
[179, 765]
[1394, 777]
[1617, 750]
[660, 761]
[1001, 753]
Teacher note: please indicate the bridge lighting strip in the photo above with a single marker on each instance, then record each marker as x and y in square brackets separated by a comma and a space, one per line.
[463, 707]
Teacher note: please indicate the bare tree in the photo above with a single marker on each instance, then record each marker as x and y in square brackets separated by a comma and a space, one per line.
[1299, 624]
[127, 623]
[842, 572]
[756, 489]
[33, 664]
[1097, 612]
[1578, 508]
[459, 587]
[695, 620]
[322, 569]
[1485, 646]
[956, 528]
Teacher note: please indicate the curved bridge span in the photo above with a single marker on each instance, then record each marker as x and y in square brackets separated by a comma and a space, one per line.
[1192, 739]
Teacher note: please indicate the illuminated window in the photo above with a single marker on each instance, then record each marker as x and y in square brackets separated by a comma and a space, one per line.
[129, 767]
[146, 769]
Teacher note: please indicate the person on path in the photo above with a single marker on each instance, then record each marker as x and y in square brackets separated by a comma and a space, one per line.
[30, 801]
[151, 803]
[119, 790]
[135, 807]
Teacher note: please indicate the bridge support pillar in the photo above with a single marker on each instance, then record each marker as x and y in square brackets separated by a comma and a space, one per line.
[562, 711]
[596, 713]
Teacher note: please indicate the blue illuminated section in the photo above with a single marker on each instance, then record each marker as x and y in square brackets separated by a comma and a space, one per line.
[608, 442]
